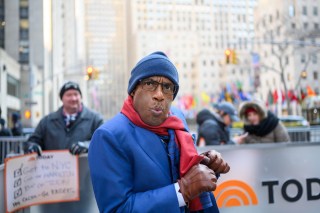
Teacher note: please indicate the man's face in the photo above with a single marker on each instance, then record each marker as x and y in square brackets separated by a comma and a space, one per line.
[71, 100]
[152, 106]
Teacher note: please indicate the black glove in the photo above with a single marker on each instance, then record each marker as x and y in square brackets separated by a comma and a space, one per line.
[79, 148]
[30, 147]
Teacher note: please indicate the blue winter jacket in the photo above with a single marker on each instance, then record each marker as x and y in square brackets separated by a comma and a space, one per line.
[130, 169]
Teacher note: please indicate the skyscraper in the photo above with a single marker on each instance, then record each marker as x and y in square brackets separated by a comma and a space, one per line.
[106, 52]
[195, 35]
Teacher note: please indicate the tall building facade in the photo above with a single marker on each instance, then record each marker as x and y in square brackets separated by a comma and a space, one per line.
[106, 52]
[9, 86]
[288, 42]
[24, 41]
[195, 35]
[47, 39]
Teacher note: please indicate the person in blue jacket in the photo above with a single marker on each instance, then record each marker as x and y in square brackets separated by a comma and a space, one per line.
[144, 159]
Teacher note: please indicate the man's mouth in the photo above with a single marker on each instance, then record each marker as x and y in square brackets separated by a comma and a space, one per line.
[157, 111]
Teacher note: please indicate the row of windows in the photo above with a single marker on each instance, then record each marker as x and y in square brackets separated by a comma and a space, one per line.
[306, 26]
[314, 58]
[24, 32]
[314, 10]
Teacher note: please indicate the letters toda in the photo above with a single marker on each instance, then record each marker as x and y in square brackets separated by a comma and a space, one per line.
[310, 186]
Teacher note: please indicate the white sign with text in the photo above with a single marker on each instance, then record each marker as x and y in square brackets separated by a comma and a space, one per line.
[50, 178]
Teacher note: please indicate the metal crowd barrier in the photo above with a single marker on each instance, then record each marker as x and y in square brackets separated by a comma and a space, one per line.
[10, 146]
[262, 170]
[297, 134]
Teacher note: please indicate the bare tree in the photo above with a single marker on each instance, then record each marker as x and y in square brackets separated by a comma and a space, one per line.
[298, 41]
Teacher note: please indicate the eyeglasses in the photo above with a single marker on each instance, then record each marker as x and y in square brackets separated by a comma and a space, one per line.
[151, 85]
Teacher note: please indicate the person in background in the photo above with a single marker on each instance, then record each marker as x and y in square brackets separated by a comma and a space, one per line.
[261, 125]
[213, 127]
[144, 159]
[70, 127]
[17, 125]
[4, 132]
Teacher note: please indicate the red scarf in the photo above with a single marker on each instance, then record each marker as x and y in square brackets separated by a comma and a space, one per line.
[188, 153]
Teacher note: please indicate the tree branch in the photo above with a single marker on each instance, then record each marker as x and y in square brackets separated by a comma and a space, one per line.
[270, 68]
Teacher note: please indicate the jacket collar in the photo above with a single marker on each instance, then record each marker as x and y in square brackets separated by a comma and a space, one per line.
[58, 117]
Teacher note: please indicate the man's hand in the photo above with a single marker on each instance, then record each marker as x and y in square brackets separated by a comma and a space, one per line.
[197, 180]
[79, 148]
[214, 161]
[31, 147]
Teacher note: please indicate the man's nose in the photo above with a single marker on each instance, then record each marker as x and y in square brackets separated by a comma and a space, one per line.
[158, 94]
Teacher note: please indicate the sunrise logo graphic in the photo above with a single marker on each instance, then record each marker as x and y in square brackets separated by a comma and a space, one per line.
[234, 193]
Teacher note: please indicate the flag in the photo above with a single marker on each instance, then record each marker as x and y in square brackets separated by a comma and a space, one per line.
[292, 96]
[275, 96]
[270, 99]
[310, 91]
[205, 98]
[255, 60]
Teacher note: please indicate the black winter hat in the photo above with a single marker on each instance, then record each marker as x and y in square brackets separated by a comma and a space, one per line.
[67, 86]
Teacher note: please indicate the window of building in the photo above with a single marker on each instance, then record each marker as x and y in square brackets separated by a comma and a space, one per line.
[291, 11]
[24, 34]
[270, 18]
[315, 75]
[277, 14]
[315, 11]
[314, 58]
[24, 13]
[303, 58]
[212, 63]
[13, 86]
[293, 25]
[305, 25]
[316, 26]
[304, 10]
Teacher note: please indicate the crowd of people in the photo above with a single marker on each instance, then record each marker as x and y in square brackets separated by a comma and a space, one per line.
[16, 129]
[260, 125]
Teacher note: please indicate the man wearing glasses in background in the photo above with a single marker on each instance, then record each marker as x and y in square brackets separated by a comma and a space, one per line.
[144, 159]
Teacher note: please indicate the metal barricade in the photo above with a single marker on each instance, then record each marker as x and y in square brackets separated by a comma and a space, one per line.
[10, 146]
[297, 134]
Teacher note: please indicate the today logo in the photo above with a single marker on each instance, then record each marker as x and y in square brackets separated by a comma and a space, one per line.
[235, 193]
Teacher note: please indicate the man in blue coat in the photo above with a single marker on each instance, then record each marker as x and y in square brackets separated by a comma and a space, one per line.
[144, 159]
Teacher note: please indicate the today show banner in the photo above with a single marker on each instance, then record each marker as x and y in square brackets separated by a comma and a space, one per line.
[269, 178]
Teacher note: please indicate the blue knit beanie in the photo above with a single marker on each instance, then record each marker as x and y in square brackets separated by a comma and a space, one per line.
[155, 64]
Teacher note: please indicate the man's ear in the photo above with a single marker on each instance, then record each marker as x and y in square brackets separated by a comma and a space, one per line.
[132, 93]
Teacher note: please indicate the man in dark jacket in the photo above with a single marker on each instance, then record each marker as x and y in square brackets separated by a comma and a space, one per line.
[70, 127]
[214, 127]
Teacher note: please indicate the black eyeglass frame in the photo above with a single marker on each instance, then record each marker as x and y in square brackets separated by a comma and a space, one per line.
[174, 90]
